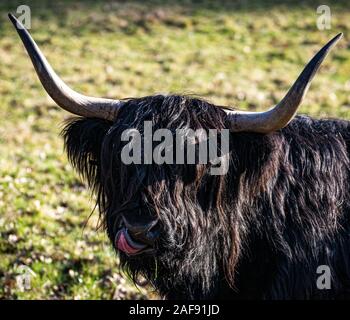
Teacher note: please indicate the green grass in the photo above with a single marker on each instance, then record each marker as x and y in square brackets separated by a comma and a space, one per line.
[243, 54]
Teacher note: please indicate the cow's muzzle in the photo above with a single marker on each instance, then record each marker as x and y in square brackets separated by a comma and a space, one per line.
[134, 239]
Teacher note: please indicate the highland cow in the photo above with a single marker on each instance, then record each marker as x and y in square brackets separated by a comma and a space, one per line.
[259, 231]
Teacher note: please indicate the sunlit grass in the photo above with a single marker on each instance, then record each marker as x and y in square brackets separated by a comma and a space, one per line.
[244, 55]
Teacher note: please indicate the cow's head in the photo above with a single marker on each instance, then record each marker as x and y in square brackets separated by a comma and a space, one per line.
[158, 216]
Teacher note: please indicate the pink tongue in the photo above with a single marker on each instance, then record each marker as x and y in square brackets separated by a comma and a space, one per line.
[124, 246]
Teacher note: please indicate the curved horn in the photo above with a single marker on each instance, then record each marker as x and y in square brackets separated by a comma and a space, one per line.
[64, 96]
[280, 115]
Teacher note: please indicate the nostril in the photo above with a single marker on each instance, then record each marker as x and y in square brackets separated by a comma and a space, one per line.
[153, 233]
[144, 233]
[140, 227]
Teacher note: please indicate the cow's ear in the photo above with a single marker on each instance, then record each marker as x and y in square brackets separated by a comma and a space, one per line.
[83, 139]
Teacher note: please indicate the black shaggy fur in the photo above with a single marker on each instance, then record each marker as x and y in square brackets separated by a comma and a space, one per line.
[258, 232]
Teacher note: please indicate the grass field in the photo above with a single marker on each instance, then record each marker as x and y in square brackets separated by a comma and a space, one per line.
[242, 53]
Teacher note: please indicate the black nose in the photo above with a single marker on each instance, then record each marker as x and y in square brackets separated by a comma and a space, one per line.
[146, 232]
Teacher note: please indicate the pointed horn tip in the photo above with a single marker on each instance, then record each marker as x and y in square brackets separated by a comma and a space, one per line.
[339, 35]
[17, 24]
[336, 39]
[331, 44]
[14, 21]
[12, 17]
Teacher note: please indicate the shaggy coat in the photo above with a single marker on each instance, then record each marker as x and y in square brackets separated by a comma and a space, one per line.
[258, 232]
